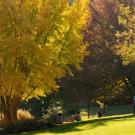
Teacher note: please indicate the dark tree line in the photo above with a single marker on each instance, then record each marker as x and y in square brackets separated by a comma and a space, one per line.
[103, 76]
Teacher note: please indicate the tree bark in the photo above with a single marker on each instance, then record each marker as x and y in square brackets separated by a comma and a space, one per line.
[10, 106]
[13, 109]
[104, 110]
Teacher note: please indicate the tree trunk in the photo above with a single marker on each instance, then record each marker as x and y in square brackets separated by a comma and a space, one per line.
[7, 116]
[134, 109]
[10, 106]
[13, 109]
[104, 111]
[88, 110]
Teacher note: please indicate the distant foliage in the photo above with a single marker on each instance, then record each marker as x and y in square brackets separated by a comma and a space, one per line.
[126, 38]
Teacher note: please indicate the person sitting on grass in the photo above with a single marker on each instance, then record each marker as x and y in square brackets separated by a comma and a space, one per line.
[78, 116]
[99, 114]
[59, 119]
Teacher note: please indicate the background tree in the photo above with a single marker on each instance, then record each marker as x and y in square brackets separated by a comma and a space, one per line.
[102, 77]
[38, 41]
[126, 41]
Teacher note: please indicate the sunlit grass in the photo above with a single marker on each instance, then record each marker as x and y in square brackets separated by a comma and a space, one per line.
[112, 125]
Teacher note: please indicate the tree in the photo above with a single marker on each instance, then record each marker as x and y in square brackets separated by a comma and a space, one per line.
[38, 41]
[99, 68]
[125, 46]
[102, 76]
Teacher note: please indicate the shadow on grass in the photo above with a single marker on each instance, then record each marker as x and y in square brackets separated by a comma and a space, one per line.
[73, 127]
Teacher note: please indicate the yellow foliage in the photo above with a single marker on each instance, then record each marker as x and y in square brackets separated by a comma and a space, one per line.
[126, 38]
[39, 39]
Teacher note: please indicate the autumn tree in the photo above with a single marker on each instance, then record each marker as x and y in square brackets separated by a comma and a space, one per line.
[38, 41]
[100, 66]
[102, 77]
[126, 41]
[103, 63]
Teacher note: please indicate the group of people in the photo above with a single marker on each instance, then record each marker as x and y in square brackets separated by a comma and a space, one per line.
[61, 118]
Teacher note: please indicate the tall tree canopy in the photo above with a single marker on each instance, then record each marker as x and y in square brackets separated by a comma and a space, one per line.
[39, 39]
[126, 41]
[103, 77]
[99, 68]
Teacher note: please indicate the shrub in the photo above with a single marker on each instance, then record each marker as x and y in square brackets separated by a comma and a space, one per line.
[26, 126]
[26, 123]
[23, 115]
[50, 118]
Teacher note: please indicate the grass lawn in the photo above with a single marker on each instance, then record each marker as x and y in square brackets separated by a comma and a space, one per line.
[111, 125]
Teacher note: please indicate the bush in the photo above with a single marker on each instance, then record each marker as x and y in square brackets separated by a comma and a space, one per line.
[51, 118]
[50, 124]
[27, 126]
[23, 115]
